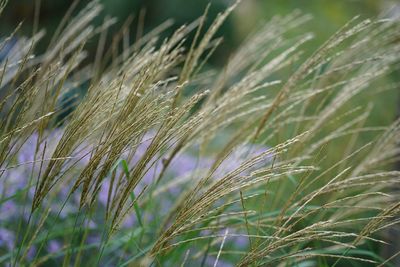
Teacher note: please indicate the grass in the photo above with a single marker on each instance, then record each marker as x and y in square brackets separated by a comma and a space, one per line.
[165, 163]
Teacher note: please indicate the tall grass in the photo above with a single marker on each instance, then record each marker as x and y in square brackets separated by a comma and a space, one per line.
[271, 161]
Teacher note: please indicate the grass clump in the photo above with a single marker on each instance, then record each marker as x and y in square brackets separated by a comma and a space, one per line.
[271, 161]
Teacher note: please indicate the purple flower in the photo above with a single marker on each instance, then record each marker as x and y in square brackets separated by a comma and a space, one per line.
[103, 193]
[82, 155]
[129, 221]
[54, 246]
[6, 238]
[26, 153]
[27, 150]
[92, 224]
[93, 239]
[241, 242]
[14, 180]
[8, 210]
[149, 177]
[183, 164]
[31, 253]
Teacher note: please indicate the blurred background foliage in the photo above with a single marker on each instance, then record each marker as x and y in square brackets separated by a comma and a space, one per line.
[328, 17]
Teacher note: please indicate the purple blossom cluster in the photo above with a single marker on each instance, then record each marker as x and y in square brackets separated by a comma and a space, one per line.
[18, 177]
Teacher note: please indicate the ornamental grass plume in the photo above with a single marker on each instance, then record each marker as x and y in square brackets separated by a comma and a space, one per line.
[165, 163]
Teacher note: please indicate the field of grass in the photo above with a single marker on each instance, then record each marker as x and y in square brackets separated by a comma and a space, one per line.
[146, 155]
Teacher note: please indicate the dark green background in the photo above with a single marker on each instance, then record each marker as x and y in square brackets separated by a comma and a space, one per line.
[328, 16]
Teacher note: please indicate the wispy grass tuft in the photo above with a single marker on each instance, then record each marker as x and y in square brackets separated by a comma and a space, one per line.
[271, 161]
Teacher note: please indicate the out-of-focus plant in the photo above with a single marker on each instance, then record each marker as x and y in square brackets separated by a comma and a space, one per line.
[165, 163]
